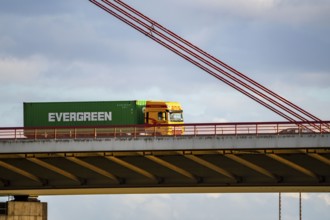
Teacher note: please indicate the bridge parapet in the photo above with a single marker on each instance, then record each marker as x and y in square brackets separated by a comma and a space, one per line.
[208, 129]
[150, 143]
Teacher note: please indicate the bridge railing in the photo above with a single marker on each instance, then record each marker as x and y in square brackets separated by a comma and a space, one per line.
[216, 129]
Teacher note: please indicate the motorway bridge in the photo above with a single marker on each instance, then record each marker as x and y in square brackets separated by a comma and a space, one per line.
[226, 157]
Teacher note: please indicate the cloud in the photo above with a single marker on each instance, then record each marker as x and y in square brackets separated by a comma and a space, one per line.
[14, 69]
[88, 55]
[186, 206]
[249, 5]
[325, 198]
[292, 12]
[315, 79]
[213, 195]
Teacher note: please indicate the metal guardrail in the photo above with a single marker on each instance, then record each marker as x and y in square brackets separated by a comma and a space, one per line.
[217, 129]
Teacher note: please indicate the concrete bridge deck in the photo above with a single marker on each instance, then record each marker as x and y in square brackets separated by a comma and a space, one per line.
[263, 162]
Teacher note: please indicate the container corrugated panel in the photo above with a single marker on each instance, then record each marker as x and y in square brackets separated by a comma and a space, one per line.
[39, 114]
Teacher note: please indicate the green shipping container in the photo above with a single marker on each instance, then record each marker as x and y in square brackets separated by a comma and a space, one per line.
[45, 114]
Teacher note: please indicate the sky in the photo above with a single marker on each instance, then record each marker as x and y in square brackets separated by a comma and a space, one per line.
[73, 51]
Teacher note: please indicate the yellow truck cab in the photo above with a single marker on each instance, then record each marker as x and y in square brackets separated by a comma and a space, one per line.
[164, 113]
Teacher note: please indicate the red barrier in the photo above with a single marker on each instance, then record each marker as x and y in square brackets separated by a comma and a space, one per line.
[209, 129]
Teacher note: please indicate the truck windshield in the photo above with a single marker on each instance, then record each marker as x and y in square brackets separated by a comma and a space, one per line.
[176, 116]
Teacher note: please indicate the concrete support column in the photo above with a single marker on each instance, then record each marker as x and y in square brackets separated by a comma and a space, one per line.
[24, 210]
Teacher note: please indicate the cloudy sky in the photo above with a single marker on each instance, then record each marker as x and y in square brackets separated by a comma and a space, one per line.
[73, 51]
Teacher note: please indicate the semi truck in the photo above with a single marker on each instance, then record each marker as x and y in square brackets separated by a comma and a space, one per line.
[104, 115]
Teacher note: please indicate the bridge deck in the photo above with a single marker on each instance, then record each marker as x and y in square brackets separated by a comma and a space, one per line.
[290, 162]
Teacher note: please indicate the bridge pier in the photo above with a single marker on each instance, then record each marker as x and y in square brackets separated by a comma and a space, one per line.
[23, 208]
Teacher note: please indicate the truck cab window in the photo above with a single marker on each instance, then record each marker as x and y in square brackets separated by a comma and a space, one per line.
[146, 119]
[161, 116]
[176, 116]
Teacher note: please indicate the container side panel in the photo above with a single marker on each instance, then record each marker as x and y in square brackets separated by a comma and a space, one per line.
[82, 113]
